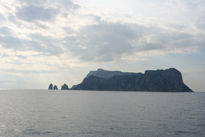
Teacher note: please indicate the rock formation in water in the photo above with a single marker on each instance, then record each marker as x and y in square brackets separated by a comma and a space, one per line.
[55, 87]
[169, 80]
[50, 87]
[64, 87]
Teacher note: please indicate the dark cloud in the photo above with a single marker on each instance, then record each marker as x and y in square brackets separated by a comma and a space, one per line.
[111, 41]
[11, 42]
[5, 31]
[14, 20]
[34, 13]
[102, 42]
[45, 45]
[44, 10]
[59, 4]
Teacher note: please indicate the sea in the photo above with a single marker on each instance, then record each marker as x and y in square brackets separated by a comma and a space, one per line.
[43, 113]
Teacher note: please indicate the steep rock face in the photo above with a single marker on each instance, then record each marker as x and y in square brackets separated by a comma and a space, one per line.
[55, 87]
[50, 87]
[165, 80]
[64, 87]
[169, 80]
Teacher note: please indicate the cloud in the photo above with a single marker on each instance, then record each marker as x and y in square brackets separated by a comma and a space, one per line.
[201, 26]
[66, 4]
[5, 31]
[101, 42]
[46, 45]
[35, 13]
[90, 37]
[95, 39]
[44, 10]
[2, 18]
[113, 41]
[55, 3]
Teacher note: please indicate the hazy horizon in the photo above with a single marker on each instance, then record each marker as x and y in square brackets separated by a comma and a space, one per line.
[60, 41]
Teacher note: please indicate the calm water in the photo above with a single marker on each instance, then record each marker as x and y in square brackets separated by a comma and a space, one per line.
[44, 113]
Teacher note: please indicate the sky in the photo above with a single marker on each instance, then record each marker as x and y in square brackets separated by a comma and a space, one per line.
[60, 41]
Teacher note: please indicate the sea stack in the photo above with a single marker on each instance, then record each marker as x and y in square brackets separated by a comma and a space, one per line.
[55, 87]
[64, 87]
[50, 87]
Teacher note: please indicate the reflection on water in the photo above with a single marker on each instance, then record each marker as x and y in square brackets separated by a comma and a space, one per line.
[45, 113]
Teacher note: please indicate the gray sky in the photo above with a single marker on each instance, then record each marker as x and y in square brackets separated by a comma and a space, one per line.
[60, 41]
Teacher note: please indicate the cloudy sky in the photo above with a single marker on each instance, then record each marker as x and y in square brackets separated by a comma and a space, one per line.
[44, 41]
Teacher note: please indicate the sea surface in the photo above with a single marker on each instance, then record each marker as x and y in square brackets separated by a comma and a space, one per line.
[43, 113]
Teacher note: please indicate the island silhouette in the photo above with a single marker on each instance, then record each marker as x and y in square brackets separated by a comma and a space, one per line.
[168, 80]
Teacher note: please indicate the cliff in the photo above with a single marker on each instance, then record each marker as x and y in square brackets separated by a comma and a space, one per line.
[50, 87]
[169, 80]
[55, 87]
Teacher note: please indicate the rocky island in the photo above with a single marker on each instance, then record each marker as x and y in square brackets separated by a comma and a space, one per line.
[64, 87]
[52, 87]
[168, 80]
[55, 87]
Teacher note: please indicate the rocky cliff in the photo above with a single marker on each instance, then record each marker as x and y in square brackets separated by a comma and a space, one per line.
[169, 80]
[50, 87]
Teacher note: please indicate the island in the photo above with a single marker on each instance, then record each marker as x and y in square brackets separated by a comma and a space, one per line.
[52, 87]
[55, 87]
[64, 87]
[168, 80]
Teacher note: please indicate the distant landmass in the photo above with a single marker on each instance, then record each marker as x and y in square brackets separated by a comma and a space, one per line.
[168, 80]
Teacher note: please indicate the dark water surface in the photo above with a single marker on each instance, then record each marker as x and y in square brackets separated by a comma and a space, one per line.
[42, 113]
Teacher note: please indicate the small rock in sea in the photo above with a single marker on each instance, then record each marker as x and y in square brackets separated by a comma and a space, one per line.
[55, 87]
[50, 87]
[64, 87]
